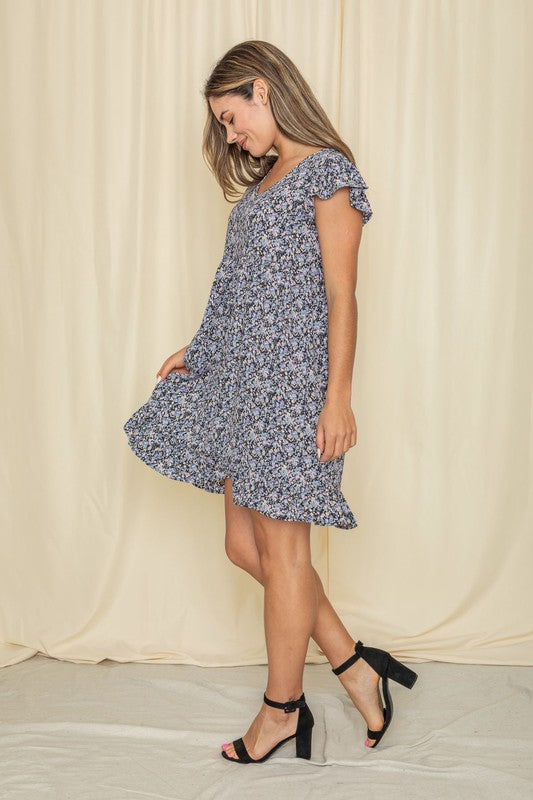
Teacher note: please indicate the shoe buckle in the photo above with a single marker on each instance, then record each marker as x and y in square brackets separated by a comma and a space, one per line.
[292, 705]
[289, 705]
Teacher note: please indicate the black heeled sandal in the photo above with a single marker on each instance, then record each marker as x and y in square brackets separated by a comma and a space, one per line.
[387, 667]
[303, 733]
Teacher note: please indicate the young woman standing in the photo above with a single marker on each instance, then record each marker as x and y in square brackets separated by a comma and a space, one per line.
[258, 405]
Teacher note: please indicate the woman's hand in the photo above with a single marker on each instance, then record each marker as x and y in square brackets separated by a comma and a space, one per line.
[336, 430]
[174, 363]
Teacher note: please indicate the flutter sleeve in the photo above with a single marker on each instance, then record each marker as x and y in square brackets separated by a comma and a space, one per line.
[336, 171]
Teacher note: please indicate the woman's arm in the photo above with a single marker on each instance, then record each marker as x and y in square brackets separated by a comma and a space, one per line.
[339, 227]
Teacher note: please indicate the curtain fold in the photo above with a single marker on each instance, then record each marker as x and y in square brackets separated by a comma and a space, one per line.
[111, 228]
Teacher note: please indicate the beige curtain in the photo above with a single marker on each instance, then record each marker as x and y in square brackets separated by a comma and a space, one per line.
[111, 228]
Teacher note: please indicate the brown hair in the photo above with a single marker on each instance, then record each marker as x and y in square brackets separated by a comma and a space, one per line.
[295, 109]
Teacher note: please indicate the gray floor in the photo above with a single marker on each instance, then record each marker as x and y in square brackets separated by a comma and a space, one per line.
[110, 731]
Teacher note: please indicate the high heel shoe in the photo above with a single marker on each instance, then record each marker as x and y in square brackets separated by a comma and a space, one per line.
[387, 667]
[303, 733]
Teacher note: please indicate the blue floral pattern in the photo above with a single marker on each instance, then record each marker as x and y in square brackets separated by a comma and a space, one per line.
[258, 365]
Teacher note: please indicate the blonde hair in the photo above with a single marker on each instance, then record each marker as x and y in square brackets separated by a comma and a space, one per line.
[295, 109]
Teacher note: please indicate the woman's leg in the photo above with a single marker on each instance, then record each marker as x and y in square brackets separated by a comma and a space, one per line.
[290, 615]
[241, 548]
[331, 636]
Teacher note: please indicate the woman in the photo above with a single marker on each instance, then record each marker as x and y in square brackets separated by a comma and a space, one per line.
[257, 406]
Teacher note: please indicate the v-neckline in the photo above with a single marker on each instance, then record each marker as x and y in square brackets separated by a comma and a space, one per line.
[260, 194]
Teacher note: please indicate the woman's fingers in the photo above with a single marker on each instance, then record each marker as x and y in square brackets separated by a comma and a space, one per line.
[336, 446]
[173, 363]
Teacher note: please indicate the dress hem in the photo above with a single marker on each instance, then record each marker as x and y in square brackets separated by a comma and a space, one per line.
[218, 488]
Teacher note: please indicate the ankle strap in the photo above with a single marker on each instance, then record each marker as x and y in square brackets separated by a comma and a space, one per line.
[290, 705]
[349, 661]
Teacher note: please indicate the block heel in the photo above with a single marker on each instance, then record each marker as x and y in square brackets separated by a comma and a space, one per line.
[401, 674]
[303, 743]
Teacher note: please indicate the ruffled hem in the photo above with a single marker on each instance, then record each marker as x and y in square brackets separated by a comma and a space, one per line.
[344, 519]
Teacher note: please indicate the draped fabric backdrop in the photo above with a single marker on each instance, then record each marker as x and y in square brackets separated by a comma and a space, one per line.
[111, 228]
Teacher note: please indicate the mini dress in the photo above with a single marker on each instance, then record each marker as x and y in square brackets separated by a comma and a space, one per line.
[249, 406]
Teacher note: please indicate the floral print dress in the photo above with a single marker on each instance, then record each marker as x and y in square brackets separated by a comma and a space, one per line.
[258, 365]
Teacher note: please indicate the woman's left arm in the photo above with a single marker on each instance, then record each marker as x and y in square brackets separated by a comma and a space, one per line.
[339, 227]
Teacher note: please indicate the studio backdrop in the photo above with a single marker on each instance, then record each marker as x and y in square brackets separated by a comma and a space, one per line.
[111, 229]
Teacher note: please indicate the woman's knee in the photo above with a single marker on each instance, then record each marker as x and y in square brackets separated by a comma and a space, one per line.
[239, 543]
[281, 543]
[235, 551]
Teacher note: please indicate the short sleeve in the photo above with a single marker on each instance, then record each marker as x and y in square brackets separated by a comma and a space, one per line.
[334, 171]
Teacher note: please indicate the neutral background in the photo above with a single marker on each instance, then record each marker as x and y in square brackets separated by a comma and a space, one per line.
[111, 228]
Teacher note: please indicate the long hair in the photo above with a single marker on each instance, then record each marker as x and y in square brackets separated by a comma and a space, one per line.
[295, 109]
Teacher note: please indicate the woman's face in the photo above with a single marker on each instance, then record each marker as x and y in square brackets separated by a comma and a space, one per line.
[249, 123]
